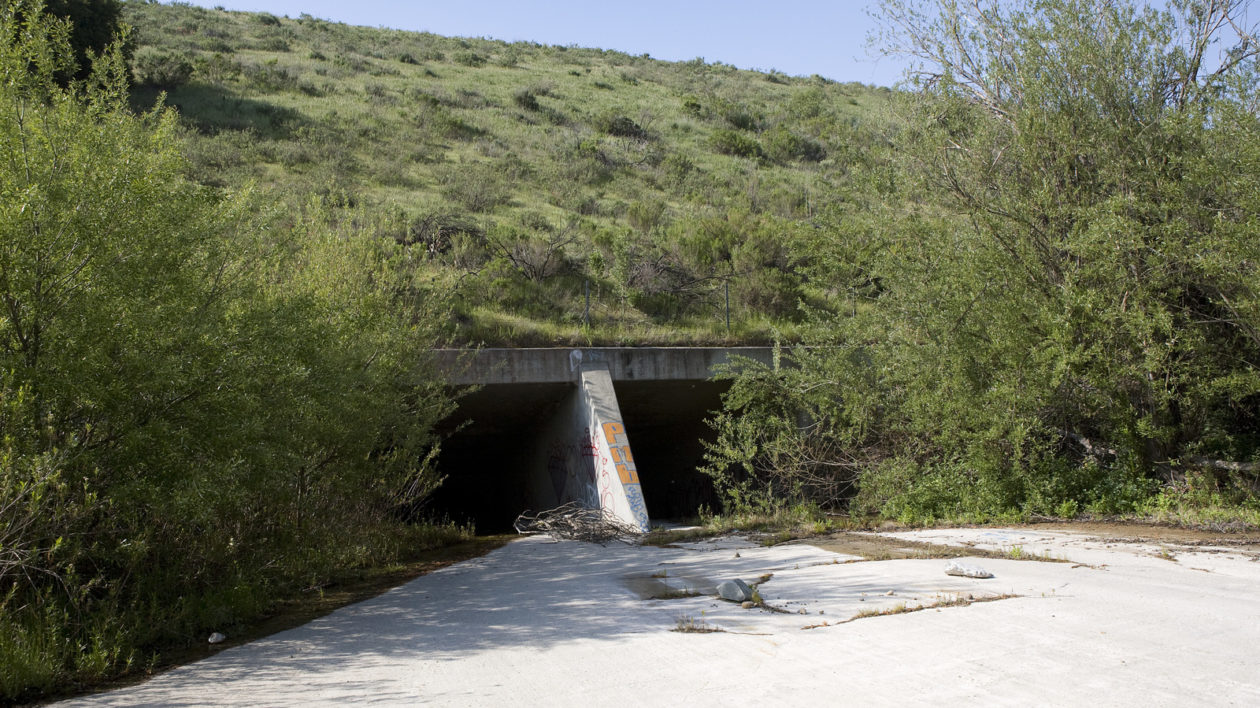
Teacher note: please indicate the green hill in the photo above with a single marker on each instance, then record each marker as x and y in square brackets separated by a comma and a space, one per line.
[522, 174]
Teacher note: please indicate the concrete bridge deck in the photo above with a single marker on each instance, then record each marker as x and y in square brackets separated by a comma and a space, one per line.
[561, 365]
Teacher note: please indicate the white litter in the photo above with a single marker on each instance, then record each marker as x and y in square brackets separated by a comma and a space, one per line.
[966, 571]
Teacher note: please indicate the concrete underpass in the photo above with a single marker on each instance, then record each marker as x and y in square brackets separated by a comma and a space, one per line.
[495, 463]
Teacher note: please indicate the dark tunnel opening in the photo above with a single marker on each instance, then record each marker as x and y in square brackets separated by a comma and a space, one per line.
[486, 461]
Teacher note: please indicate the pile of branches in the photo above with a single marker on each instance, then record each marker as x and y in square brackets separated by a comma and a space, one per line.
[576, 522]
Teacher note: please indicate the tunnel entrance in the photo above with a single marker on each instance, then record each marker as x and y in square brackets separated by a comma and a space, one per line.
[486, 461]
[665, 421]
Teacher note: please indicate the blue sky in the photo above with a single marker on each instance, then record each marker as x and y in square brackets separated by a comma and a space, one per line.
[793, 36]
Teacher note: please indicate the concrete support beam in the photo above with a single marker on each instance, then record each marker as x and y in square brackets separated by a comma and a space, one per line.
[584, 454]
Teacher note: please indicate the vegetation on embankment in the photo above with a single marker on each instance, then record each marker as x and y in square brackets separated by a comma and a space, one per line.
[1058, 313]
[516, 176]
[201, 409]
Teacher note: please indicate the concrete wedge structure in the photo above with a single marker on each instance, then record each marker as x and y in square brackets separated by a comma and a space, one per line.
[588, 455]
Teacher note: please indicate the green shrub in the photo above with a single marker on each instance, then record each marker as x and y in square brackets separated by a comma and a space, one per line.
[218, 68]
[273, 44]
[270, 77]
[740, 119]
[782, 145]
[810, 103]
[508, 58]
[676, 168]
[468, 58]
[162, 70]
[437, 233]
[450, 126]
[93, 25]
[617, 124]
[731, 142]
[775, 442]
[526, 99]
[767, 281]
[477, 187]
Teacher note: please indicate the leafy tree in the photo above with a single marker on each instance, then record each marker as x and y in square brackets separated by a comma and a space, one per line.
[1066, 309]
[94, 24]
[196, 408]
[1079, 140]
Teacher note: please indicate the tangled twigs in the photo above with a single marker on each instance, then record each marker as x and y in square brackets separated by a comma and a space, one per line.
[576, 522]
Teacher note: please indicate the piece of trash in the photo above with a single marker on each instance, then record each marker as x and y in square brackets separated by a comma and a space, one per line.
[216, 638]
[747, 604]
[966, 571]
[890, 593]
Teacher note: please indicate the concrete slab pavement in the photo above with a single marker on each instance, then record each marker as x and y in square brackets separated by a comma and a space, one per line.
[566, 624]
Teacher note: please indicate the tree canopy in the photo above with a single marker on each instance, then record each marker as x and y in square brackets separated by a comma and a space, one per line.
[196, 405]
[1065, 309]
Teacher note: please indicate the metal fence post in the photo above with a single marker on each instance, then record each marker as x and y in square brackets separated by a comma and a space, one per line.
[728, 306]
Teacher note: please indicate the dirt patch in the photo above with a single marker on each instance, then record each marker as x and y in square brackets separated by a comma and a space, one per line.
[1150, 533]
[946, 600]
[871, 547]
[874, 547]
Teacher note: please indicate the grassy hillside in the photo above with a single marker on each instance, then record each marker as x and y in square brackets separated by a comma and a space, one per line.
[520, 174]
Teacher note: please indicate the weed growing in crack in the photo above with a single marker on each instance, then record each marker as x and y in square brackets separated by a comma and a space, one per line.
[902, 608]
[1018, 553]
[675, 595]
[690, 625]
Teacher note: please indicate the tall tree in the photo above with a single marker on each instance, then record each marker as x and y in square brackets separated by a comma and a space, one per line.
[93, 25]
[1070, 279]
[1085, 142]
[194, 408]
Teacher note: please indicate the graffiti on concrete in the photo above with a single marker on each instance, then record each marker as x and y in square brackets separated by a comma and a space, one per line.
[572, 466]
[619, 449]
[596, 467]
[622, 461]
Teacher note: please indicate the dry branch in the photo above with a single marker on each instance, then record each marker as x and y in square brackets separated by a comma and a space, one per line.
[575, 522]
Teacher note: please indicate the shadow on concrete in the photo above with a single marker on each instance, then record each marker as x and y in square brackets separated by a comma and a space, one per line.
[529, 596]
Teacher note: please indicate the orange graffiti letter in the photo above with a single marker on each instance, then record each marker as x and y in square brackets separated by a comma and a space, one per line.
[622, 454]
[613, 431]
[628, 476]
